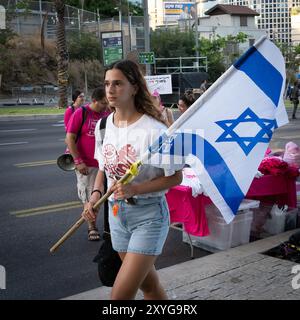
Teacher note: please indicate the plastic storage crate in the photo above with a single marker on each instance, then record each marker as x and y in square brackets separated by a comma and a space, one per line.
[222, 235]
[275, 225]
[264, 225]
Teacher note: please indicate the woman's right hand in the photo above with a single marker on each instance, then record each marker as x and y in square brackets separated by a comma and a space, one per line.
[88, 213]
[82, 168]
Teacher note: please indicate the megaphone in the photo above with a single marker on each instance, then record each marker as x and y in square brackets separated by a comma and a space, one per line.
[66, 162]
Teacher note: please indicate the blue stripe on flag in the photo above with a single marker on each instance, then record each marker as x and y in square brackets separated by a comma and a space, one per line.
[262, 72]
[211, 159]
[222, 177]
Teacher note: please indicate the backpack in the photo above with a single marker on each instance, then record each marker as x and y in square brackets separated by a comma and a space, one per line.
[109, 261]
[84, 116]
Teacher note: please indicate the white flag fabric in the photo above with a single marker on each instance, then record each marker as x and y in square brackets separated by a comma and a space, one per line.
[223, 136]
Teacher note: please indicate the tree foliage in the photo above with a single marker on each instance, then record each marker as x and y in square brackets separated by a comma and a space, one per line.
[172, 43]
[83, 48]
[5, 53]
[6, 35]
[108, 8]
[292, 59]
[221, 52]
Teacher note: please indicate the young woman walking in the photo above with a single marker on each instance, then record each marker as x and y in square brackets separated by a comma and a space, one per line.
[139, 230]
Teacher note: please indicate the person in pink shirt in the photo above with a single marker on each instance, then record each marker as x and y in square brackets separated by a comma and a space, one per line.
[77, 102]
[165, 112]
[82, 148]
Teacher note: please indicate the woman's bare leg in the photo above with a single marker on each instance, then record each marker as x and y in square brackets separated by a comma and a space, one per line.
[152, 288]
[137, 271]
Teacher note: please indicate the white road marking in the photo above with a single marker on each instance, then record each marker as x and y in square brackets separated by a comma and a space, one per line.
[58, 125]
[12, 143]
[17, 130]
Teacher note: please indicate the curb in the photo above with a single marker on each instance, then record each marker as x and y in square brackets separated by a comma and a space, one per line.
[31, 117]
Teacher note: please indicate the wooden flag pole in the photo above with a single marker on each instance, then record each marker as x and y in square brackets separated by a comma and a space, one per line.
[133, 171]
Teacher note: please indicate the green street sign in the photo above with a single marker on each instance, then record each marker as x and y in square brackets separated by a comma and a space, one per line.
[112, 46]
[146, 57]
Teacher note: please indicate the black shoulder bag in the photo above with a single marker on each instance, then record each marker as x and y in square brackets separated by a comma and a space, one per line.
[109, 262]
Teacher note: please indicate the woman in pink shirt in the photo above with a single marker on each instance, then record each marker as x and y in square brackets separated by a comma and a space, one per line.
[77, 101]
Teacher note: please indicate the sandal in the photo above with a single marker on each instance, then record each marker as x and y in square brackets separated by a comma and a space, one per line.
[93, 234]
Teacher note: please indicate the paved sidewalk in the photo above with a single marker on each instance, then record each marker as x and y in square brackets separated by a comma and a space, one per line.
[242, 273]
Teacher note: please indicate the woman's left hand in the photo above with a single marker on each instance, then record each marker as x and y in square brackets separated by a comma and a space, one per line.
[123, 191]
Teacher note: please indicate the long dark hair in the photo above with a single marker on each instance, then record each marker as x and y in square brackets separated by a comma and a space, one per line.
[75, 94]
[188, 97]
[143, 100]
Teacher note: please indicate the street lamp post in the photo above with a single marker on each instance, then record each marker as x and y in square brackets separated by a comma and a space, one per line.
[196, 34]
[129, 31]
[120, 19]
[146, 33]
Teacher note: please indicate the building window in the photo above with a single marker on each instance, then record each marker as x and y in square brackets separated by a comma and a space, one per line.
[243, 21]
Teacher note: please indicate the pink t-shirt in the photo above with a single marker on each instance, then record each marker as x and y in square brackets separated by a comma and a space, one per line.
[68, 113]
[86, 142]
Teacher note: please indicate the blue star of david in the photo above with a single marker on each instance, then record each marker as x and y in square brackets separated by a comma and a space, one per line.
[247, 143]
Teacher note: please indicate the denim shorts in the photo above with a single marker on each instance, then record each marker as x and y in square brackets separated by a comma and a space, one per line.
[140, 228]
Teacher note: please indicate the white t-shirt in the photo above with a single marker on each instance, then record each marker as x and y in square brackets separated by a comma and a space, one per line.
[123, 146]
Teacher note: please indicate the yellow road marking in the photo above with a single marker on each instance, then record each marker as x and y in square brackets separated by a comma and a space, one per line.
[34, 164]
[47, 209]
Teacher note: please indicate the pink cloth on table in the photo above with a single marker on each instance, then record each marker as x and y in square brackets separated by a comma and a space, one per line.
[292, 154]
[274, 189]
[188, 210]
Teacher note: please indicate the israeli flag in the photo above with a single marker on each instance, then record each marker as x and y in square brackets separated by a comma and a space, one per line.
[223, 136]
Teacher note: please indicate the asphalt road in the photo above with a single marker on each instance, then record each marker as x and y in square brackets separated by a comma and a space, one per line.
[38, 205]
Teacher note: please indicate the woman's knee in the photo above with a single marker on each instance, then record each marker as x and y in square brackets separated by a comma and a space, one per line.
[150, 284]
[122, 294]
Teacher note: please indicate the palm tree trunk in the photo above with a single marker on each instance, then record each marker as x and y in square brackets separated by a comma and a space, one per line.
[45, 18]
[62, 55]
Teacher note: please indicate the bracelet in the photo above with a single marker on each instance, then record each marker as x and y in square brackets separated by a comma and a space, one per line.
[96, 190]
[78, 161]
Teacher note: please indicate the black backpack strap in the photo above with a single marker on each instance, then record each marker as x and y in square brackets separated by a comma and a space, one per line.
[105, 215]
[102, 128]
[84, 111]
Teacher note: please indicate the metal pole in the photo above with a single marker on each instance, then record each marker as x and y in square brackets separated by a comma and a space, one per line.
[41, 16]
[79, 26]
[196, 35]
[146, 33]
[120, 15]
[129, 31]
[82, 6]
[85, 79]
[98, 19]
